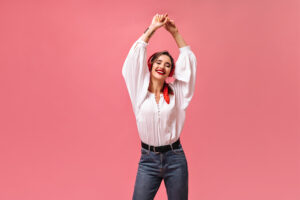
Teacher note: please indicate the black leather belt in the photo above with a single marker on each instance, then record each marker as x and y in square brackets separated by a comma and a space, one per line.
[162, 149]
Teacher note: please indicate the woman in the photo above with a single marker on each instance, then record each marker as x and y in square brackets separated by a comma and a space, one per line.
[159, 108]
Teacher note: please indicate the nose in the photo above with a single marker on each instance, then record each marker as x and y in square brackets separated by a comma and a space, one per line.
[162, 66]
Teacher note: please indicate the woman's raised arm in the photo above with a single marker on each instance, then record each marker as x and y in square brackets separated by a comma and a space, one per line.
[171, 27]
[185, 68]
[135, 71]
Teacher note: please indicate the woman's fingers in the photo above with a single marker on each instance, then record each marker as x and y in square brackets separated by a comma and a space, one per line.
[159, 17]
[161, 20]
[166, 20]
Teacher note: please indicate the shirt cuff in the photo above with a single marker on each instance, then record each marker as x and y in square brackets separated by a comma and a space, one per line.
[142, 42]
[185, 48]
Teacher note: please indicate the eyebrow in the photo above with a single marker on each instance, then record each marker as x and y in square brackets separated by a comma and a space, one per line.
[166, 62]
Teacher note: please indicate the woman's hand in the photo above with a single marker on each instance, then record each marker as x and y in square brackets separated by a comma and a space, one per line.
[170, 26]
[159, 20]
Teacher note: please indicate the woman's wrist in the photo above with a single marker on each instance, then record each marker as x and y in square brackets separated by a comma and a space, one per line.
[175, 33]
[152, 27]
[148, 33]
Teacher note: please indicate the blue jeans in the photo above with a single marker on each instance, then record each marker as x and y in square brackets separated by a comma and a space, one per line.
[171, 166]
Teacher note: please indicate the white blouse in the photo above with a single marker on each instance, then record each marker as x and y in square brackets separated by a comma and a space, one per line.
[159, 123]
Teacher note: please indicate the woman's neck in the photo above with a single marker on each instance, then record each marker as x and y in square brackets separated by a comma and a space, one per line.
[156, 86]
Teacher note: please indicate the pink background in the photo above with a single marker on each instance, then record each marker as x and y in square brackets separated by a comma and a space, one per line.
[67, 129]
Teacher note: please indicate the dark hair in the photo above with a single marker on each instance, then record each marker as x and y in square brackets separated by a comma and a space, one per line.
[154, 57]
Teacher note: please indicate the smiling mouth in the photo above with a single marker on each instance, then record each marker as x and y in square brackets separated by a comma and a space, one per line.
[160, 72]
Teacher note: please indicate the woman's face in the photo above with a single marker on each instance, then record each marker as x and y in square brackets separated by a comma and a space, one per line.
[161, 67]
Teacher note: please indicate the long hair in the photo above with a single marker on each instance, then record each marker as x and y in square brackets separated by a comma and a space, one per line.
[166, 88]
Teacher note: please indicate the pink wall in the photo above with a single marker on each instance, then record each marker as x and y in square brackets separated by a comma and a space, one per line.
[67, 129]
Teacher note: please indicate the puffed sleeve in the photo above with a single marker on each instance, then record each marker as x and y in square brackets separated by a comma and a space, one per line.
[185, 76]
[136, 73]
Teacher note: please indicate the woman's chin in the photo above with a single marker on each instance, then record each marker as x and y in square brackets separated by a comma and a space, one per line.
[161, 78]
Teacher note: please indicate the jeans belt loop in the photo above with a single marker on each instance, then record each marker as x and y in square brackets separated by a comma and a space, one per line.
[154, 149]
[171, 146]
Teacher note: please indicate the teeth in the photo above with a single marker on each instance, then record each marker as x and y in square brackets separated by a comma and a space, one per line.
[160, 72]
